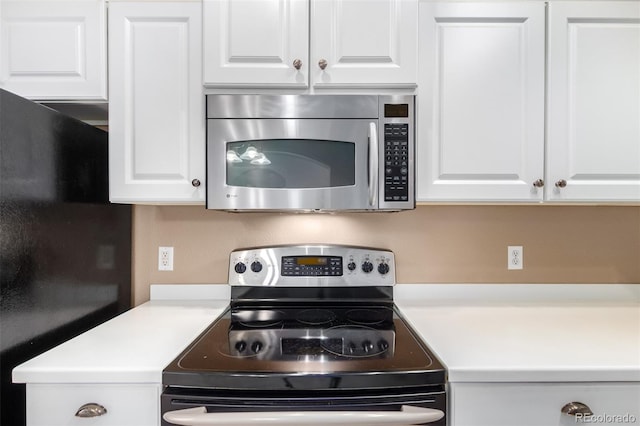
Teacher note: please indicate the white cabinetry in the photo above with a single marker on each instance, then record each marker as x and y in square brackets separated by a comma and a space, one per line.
[537, 404]
[481, 101]
[481, 134]
[322, 43]
[157, 119]
[125, 404]
[594, 101]
[54, 50]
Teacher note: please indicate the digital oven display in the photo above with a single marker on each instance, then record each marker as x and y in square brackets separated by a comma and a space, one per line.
[311, 266]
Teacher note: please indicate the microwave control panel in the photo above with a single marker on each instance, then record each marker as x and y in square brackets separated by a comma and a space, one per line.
[396, 155]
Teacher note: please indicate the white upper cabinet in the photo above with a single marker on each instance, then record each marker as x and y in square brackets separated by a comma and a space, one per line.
[364, 43]
[157, 118]
[256, 43]
[594, 101]
[54, 50]
[303, 43]
[481, 101]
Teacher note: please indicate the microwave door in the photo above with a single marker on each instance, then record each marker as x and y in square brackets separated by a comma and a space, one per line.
[290, 164]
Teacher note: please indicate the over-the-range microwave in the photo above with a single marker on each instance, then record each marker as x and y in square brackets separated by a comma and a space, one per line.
[310, 152]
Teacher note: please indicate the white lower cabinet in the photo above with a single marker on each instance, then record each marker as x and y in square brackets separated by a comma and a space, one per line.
[541, 404]
[125, 404]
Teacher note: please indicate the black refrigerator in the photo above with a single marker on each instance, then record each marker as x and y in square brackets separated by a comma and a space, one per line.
[65, 251]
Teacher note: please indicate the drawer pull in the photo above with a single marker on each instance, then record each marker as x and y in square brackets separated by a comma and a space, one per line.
[574, 408]
[91, 410]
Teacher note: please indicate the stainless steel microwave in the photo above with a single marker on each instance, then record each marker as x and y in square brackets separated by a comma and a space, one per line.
[310, 152]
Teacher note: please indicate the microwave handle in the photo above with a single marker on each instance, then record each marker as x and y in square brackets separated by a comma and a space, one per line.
[373, 164]
[407, 416]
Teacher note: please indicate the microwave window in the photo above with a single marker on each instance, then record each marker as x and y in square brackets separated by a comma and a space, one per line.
[290, 163]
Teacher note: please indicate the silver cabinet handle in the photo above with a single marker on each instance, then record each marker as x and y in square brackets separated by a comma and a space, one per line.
[561, 183]
[322, 63]
[573, 408]
[195, 183]
[539, 183]
[297, 64]
[91, 410]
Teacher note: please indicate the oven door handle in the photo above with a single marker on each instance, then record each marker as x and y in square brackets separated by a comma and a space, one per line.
[407, 416]
[373, 164]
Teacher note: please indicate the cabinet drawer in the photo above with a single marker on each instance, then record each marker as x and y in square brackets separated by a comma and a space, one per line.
[537, 404]
[126, 405]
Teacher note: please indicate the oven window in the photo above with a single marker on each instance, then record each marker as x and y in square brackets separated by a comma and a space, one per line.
[290, 163]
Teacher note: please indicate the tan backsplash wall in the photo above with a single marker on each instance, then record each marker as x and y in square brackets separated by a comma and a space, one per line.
[432, 244]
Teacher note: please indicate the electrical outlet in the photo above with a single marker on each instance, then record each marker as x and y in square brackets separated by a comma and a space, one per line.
[165, 258]
[515, 257]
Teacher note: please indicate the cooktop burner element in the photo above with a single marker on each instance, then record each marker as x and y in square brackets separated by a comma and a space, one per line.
[316, 316]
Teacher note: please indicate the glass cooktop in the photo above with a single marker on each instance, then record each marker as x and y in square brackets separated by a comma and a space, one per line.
[306, 347]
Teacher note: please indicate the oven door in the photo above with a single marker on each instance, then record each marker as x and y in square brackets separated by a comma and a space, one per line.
[292, 164]
[202, 408]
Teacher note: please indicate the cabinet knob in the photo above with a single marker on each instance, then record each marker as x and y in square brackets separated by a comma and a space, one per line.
[322, 63]
[574, 408]
[297, 64]
[91, 410]
[561, 183]
[195, 183]
[539, 183]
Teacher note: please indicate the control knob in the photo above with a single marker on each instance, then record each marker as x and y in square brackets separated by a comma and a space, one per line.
[240, 268]
[256, 266]
[383, 268]
[256, 346]
[383, 345]
[351, 266]
[241, 346]
[367, 346]
[367, 266]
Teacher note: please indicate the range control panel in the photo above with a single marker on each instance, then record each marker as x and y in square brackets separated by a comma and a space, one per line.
[312, 265]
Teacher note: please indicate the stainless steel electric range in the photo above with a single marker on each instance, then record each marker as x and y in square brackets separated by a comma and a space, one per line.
[311, 337]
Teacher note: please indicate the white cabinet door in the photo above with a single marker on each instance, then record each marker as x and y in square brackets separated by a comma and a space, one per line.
[540, 404]
[256, 43]
[364, 43]
[157, 119]
[54, 50]
[125, 404]
[480, 101]
[594, 101]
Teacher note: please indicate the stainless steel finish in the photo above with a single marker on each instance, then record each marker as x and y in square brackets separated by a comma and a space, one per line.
[539, 183]
[322, 63]
[297, 64]
[374, 151]
[195, 183]
[574, 408]
[408, 415]
[292, 106]
[223, 196]
[271, 260]
[561, 183]
[331, 118]
[91, 410]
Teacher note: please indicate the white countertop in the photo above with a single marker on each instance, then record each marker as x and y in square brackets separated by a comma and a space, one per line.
[525, 333]
[134, 347]
[481, 333]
